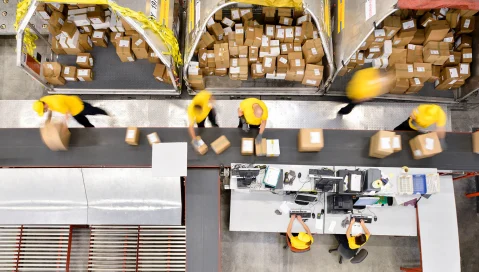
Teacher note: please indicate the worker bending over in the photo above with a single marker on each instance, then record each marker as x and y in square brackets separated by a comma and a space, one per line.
[70, 105]
[426, 118]
[303, 240]
[365, 85]
[253, 113]
[201, 108]
[354, 242]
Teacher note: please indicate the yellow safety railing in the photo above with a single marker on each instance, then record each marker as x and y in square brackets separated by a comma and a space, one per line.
[297, 4]
[28, 37]
[148, 22]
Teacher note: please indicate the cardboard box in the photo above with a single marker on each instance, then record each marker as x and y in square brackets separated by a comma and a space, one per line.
[313, 75]
[246, 14]
[297, 76]
[285, 21]
[464, 71]
[466, 25]
[269, 14]
[55, 135]
[436, 53]
[132, 136]
[123, 50]
[269, 64]
[99, 38]
[404, 70]
[272, 148]
[282, 64]
[402, 39]
[153, 138]
[414, 53]
[69, 29]
[310, 140]
[452, 17]
[257, 70]
[140, 48]
[84, 74]
[379, 35]
[400, 86]
[85, 42]
[260, 148]
[56, 21]
[391, 26]
[436, 73]
[419, 37]
[152, 57]
[409, 26]
[84, 60]
[466, 55]
[218, 15]
[463, 41]
[449, 75]
[426, 19]
[86, 30]
[217, 31]
[365, 45]
[288, 34]
[454, 59]
[222, 55]
[159, 72]
[308, 30]
[415, 85]
[227, 22]
[56, 47]
[220, 145]
[285, 12]
[425, 145]
[422, 70]
[380, 63]
[96, 17]
[220, 72]
[381, 144]
[475, 142]
[373, 53]
[44, 11]
[398, 55]
[436, 31]
[52, 71]
[298, 35]
[296, 61]
[313, 51]
[247, 146]
[69, 73]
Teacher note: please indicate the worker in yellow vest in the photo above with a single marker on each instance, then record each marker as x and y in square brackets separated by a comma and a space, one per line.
[253, 113]
[304, 239]
[365, 85]
[426, 118]
[70, 105]
[201, 108]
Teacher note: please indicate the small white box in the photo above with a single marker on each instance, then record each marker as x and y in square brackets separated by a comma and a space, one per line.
[81, 20]
[272, 148]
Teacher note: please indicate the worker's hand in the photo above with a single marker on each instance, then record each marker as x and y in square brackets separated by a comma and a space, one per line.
[259, 138]
[353, 220]
[293, 216]
[197, 142]
[362, 222]
[299, 217]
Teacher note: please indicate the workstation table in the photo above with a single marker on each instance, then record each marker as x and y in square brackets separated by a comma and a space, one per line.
[106, 147]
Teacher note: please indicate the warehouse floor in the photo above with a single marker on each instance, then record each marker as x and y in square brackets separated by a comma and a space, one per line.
[264, 251]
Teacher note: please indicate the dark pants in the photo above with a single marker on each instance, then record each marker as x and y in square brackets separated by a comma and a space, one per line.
[88, 110]
[240, 125]
[211, 117]
[405, 126]
[348, 108]
[342, 240]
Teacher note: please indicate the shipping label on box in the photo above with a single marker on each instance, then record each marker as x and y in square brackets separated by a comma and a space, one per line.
[247, 146]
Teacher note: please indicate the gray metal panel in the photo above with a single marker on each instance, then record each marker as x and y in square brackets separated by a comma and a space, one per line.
[203, 220]
[132, 196]
[472, 83]
[357, 28]
[42, 196]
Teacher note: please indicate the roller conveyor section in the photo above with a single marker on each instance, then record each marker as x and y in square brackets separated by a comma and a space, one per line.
[106, 147]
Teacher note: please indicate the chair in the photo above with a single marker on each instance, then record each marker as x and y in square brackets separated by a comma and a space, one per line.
[355, 255]
[295, 250]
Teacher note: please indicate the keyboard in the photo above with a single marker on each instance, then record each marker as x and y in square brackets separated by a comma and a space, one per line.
[367, 219]
[303, 213]
[405, 185]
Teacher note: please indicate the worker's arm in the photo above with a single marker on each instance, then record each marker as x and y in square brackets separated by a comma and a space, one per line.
[191, 130]
[300, 219]
[348, 231]
[240, 112]
[262, 127]
[441, 132]
[290, 226]
[441, 124]
[365, 228]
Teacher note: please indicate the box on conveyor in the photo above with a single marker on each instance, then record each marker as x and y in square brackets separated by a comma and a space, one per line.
[436, 53]
[313, 75]
[52, 71]
[153, 138]
[475, 142]
[85, 74]
[132, 135]
[436, 31]
[272, 148]
[85, 42]
[100, 38]
[425, 146]
[55, 135]
[220, 145]
[391, 25]
[260, 148]
[140, 48]
[123, 50]
[202, 148]
[400, 86]
[310, 140]
[84, 60]
[69, 73]
[415, 85]
[381, 144]
[247, 146]
[222, 56]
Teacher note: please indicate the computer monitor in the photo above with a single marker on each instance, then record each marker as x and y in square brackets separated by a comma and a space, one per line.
[326, 184]
[246, 176]
[340, 204]
[305, 199]
[365, 201]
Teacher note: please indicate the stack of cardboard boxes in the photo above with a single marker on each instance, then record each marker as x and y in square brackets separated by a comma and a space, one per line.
[421, 46]
[78, 28]
[285, 46]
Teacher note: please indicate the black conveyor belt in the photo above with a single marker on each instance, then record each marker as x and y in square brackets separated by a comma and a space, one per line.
[203, 220]
[105, 147]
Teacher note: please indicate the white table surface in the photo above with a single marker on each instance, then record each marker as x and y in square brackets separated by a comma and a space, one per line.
[255, 211]
[438, 228]
[304, 184]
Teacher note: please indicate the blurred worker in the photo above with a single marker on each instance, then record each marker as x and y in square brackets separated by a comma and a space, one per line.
[253, 113]
[68, 105]
[201, 108]
[365, 85]
[426, 118]
[354, 242]
[302, 240]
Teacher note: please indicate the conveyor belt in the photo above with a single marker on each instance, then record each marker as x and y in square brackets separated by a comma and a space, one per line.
[105, 147]
[203, 220]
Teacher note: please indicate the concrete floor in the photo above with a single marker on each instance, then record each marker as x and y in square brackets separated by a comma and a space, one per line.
[251, 252]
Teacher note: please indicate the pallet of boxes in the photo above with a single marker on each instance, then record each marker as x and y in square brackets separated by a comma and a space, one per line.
[78, 28]
[420, 47]
[285, 46]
